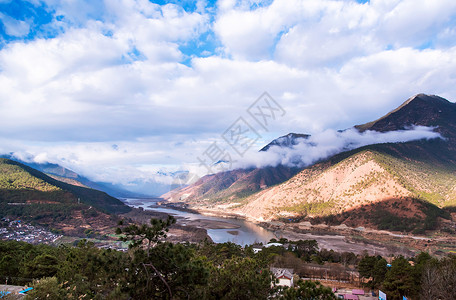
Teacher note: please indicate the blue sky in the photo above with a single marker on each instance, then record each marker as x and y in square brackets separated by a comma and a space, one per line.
[163, 80]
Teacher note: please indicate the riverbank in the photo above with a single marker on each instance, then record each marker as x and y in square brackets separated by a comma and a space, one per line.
[177, 232]
[202, 223]
[344, 238]
[219, 229]
[341, 239]
[225, 226]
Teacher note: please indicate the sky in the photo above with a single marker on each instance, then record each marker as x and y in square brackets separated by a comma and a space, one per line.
[129, 91]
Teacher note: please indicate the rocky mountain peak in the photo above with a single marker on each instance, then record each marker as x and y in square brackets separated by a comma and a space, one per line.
[422, 110]
[287, 141]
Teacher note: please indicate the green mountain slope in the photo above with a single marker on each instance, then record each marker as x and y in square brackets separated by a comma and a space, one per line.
[63, 174]
[21, 183]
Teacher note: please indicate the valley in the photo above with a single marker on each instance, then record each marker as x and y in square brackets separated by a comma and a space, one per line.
[385, 198]
[228, 149]
[391, 194]
[341, 238]
[385, 202]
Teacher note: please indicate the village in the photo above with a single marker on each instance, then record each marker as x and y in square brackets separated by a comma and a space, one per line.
[23, 232]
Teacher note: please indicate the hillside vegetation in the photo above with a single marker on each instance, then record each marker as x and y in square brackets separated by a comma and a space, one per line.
[31, 195]
[19, 183]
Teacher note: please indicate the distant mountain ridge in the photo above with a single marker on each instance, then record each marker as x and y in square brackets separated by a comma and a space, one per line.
[12, 178]
[414, 179]
[232, 185]
[66, 175]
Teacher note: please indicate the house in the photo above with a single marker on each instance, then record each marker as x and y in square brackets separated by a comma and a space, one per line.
[256, 249]
[285, 276]
[358, 292]
[350, 297]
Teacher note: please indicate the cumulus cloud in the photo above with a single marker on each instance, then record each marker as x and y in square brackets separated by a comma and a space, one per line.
[330, 142]
[317, 33]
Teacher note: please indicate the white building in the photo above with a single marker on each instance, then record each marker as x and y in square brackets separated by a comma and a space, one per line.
[285, 276]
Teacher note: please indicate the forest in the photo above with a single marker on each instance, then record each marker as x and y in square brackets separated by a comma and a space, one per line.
[156, 269]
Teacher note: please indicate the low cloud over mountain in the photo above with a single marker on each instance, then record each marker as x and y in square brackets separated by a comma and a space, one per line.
[322, 145]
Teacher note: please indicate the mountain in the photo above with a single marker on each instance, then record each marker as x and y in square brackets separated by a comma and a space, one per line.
[68, 176]
[287, 141]
[237, 184]
[231, 186]
[350, 187]
[32, 195]
[396, 186]
[421, 109]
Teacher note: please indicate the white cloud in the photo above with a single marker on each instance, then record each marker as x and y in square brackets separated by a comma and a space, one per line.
[417, 20]
[330, 142]
[125, 163]
[318, 33]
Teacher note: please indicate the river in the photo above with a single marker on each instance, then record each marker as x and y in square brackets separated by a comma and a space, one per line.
[240, 232]
[244, 233]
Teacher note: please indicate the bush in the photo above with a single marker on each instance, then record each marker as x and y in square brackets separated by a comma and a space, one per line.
[47, 288]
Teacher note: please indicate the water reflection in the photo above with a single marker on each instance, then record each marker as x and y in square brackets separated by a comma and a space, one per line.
[241, 233]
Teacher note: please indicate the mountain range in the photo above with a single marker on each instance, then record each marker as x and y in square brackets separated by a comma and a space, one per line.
[407, 186]
[398, 186]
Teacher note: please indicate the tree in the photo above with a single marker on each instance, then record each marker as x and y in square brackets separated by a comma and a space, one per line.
[430, 279]
[91, 270]
[306, 248]
[447, 282]
[9, 266]
[379, 272]
[399, 280]
[307, 290]
[149, 235]
[218, 253]
[160, 269]
[47, 288]
[348, 258]
[44, 265]
[240, 278]
[438, 279]
[366, 266]
[288, 260]
[421, 261]
[283, 240]
[372, 268]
